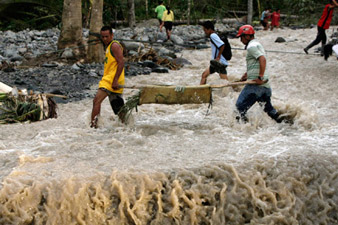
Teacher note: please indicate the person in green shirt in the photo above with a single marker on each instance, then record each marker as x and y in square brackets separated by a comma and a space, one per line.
[159, 11]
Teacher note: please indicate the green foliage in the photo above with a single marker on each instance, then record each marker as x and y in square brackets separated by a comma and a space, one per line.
[41, 14]
[20, 14]
[13, 110]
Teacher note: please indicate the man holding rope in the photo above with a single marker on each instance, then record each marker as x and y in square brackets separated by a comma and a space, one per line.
[113, 77]
[260, 91]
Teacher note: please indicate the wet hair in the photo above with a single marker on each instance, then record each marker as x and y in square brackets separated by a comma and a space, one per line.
[104, 28]
[168, 9]
[208, 25]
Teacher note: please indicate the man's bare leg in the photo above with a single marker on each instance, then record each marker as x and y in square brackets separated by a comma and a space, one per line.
[99, 97]
[205, 74]
[223, 76]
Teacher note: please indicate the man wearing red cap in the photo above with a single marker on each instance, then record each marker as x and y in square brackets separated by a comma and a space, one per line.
[256, 71]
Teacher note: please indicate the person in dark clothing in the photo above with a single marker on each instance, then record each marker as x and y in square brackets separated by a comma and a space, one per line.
[322, 25]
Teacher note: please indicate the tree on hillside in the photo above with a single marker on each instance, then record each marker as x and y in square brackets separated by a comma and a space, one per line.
[71, 30]
[95, 52]
[189, 9]
[131, 13]
[250, 12]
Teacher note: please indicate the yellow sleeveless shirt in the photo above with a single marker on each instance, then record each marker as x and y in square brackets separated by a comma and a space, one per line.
[110, 67]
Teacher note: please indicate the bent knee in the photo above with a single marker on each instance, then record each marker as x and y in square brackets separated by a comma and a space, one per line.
[223, 76]
[205, 75]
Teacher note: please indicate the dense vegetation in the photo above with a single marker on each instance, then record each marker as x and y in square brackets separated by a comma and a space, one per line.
[41, 14]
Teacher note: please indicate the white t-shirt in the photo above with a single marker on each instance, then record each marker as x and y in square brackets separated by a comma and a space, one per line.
[335, 49]
[214, 51]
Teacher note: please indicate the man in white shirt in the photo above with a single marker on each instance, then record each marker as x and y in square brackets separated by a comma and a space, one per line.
[335, 49]
[329, 49]
[217, 47]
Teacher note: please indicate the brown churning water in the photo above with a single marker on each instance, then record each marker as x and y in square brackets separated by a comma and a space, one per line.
[174, 165]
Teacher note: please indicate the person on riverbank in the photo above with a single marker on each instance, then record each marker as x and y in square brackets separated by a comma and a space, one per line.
[113, 76]
[167, 21]
[266, 14]
[329, 49]
[322, 25]
[256, 71]
[218, 62]
[159, 12]
[275, 18]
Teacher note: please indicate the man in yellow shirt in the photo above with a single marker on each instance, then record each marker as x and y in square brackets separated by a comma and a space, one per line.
[113, 76]
[167, 21]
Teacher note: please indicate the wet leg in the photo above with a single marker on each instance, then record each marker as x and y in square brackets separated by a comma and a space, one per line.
[244, 102]
[100, 96]
[205, 74]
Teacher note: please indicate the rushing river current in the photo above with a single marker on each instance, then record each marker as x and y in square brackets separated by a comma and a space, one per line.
[176, 164]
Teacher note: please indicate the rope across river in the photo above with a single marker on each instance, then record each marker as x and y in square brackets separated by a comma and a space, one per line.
[189, 45]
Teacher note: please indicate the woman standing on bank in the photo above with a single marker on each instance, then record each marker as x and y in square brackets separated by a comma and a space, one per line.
[167, 21]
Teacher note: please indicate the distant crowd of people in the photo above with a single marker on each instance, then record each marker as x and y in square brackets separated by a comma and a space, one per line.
[267, 15]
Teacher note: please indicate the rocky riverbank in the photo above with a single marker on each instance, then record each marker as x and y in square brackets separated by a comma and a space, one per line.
[30, 58]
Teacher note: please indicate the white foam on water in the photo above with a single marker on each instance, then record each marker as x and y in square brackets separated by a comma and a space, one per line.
[175, 163]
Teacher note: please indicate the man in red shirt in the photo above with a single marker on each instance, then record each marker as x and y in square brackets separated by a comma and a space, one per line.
[322, 25]
[275, 19]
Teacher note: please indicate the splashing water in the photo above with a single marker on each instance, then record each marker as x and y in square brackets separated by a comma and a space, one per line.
[173, 164]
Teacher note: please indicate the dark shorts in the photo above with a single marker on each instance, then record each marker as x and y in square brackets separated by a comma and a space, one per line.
[168, 25]
[115, 99]
[264, 23]
[159, 20]
[213, 69]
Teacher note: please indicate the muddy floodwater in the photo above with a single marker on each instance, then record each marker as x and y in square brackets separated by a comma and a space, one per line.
[176, 164]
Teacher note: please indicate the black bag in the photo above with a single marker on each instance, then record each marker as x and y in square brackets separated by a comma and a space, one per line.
[227, 54]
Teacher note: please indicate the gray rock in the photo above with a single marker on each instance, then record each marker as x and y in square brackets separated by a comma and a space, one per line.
[280, 40]
[67, 54]
[10, 35]
[16, 58]
[164, 51]
[182, 61]
[143, 38]
[49, 65]
[8, 53]
[75, 67]
[133, 45]
[160, 69]
[161, 36]
[202, 46]
[93, 74]
[177, 40]
[150, 64]
[132, 53]
[22, 50]
[148, 23]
